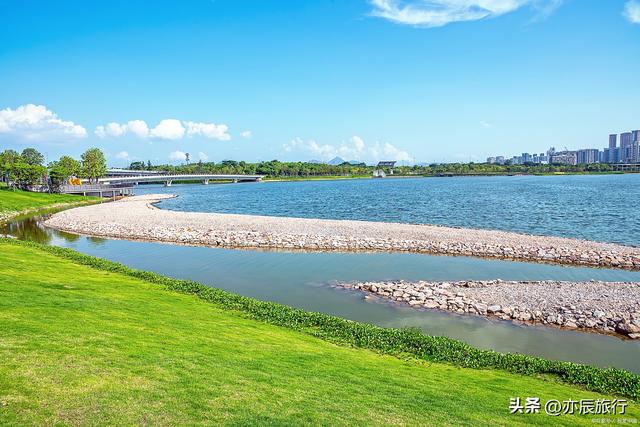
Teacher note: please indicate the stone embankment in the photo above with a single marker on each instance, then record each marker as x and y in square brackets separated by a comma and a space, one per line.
[136, 218]
[607, 307]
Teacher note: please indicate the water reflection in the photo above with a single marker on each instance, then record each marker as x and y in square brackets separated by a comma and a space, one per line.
[303, 279]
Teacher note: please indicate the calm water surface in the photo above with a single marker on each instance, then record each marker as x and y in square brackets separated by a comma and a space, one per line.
[593, 207]
[304, 280]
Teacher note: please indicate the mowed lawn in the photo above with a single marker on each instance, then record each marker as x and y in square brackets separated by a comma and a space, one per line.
[82, 346]
[12, 201]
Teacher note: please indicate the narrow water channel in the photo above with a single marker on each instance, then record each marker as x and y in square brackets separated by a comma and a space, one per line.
[303, 279]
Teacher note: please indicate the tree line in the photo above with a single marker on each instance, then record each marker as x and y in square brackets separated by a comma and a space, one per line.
[26, 170]
[278, 169]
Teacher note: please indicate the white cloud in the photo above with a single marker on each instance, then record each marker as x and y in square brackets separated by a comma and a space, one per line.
[208, 130]
[436, 13]
[138, 127]
[354, 149]
[391, 152]
[110, 130]
[37, 123]
[178, 156]
[123, 155]
[632, 11]
[485, 124]
[170, 129]
[293, 144]
[247, 134]
[202, 156]
[325, 151]
[358, 143]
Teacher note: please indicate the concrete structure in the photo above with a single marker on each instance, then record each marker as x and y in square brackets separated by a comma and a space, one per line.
[115, 172]
[167, 180]
[97, 190]
[634, 153]
[588, 155]
[626, 139]
[379, 172]
[564, 157]
[613, 140]
[626, 167]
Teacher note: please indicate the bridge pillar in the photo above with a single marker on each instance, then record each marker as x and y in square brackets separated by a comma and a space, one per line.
[167, 183]
[205, 182]
[235, 180]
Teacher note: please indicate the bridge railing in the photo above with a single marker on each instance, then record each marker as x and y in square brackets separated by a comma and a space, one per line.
[90, 187]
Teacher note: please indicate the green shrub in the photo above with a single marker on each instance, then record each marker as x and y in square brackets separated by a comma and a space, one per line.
[399, 342]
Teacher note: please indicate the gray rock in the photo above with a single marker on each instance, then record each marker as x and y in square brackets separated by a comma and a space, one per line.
[494, 309]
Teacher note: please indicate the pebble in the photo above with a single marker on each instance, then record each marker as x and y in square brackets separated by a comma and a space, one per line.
[574, 305]
[137, 218]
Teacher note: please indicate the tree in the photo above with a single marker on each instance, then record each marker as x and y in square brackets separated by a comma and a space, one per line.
[63, 169]
[33, 157]
[25, 175]
[94, 164]
[7, 159]
[149, 165]
[136, 166]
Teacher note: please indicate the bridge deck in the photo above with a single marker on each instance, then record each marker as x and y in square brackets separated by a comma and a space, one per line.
[168, 179]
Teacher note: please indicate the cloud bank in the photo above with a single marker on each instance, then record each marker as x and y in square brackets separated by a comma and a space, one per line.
[437, 13]
[353, 149]
[39, 124]
[166, 129]
[179, 156]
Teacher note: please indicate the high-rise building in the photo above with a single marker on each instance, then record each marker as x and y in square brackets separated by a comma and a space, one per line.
[563, 157]
[635, 136]
[526, 158]
[634, 155]
[626, 139]
[613, 140]
[588, 155]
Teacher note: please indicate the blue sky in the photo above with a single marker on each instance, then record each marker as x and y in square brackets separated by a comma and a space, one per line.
[445, 80]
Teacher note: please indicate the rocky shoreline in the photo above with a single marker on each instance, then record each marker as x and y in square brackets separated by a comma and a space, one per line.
[607, 307]
[137, 218]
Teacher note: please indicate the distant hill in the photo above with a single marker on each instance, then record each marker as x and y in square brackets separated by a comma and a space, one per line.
[336, 161]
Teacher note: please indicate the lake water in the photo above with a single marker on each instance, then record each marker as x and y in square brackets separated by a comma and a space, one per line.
[564, 206]
[593, 207]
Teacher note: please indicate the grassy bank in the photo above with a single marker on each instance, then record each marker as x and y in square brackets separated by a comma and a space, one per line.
[87, 341]
[18, 202]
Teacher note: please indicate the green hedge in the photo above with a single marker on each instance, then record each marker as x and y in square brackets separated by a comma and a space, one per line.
[399, 342]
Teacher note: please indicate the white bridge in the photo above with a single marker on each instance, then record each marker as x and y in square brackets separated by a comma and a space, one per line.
[169, 179]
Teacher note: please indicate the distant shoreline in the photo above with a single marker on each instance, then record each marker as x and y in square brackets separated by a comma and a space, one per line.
[444, 175]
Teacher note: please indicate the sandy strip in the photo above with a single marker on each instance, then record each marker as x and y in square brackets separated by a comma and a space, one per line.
[609, 307]
[137, 218]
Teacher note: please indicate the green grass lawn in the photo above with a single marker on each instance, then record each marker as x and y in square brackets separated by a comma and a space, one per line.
[83, 346]
[16, 201]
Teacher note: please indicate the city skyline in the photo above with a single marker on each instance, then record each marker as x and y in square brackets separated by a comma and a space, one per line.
[627, 152]
[388, 82]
